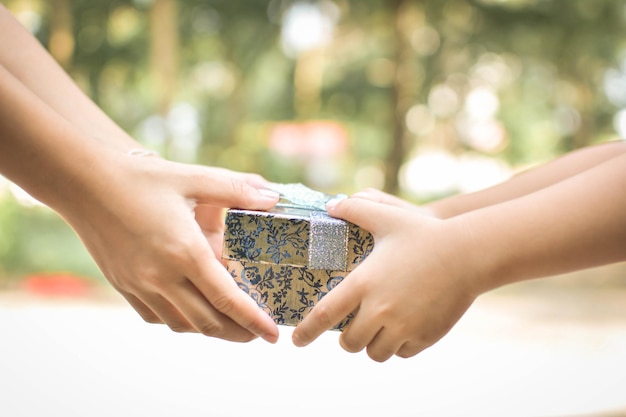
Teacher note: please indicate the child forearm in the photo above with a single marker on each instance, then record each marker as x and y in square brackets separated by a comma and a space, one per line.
[576, 223]
[529, 181]
[439, 266]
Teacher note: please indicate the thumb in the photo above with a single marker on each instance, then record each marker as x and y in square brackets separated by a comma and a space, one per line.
[378, 196]
[222, 189]
[367, 214]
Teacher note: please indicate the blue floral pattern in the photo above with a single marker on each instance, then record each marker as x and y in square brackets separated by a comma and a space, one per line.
[286, 293]
[283, 240]
[267, 258]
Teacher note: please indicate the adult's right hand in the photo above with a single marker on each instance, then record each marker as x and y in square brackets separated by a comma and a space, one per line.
[155, 227]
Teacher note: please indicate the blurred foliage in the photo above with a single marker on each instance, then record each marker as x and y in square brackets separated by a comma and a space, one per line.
[399, 76]
[34, 239]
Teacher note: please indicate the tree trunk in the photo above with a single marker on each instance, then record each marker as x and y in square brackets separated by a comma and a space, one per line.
[401, 100]
[164, 51]
[61, 43]
[308, 83]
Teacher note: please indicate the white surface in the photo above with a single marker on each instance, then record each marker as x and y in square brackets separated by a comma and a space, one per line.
[82, 359]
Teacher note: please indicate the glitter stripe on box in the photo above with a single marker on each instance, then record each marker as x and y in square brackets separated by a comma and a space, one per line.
[328, 242]
[287, 259]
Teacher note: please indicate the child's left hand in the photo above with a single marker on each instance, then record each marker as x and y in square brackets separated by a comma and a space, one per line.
[407, 294]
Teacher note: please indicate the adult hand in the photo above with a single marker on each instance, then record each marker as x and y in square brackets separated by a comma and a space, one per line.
[135, 215]
[155, 229]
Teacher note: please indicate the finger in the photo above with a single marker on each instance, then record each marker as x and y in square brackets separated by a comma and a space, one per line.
[144, 311]
[255, 180]
[329, 311]
[410, 349]
[219, 288]
[384, 345]
[204, 318]
[193, 313]
[223, 190]
[365, 213]
[211, 221]
[378, 196]
[166, 312]
[359, 333]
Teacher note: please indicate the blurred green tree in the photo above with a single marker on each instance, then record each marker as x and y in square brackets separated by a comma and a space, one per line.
[207, 81]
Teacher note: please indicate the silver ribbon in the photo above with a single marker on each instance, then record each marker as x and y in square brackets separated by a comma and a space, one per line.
[328, 237]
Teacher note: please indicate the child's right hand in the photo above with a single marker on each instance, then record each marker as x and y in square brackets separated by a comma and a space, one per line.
[407, 294]
[378, 196]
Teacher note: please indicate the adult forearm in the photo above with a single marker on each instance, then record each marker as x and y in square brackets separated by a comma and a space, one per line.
[29, 62]
[574, 224]
[529, 181]
[41, 151]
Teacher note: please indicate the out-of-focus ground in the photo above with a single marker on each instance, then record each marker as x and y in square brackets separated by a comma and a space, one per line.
[555, 347]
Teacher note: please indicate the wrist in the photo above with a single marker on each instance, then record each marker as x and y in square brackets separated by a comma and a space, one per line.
[83, 180]
[473, 263]
[442, 209]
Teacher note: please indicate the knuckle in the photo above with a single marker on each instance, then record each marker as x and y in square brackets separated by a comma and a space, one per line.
[181, 328]
[211, 328]
[225, 303]
[142, 275]
[152, 278]
[323, 315]
[179, 248]
[236, 187]
[383, 312]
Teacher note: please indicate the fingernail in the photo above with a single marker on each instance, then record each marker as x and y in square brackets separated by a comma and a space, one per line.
[273, 195]
[332, 203]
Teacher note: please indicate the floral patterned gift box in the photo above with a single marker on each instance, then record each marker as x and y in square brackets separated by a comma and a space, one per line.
[287, 259]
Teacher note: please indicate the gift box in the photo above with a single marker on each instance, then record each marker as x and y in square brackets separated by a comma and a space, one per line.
[288, 258]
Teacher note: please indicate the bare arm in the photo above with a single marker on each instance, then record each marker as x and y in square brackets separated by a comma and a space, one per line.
[30, 63]
[425, 272]
[530, 180]
[152, 226]
[576, 223]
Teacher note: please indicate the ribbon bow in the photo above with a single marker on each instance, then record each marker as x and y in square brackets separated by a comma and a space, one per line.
[302, 197]
[328, 237]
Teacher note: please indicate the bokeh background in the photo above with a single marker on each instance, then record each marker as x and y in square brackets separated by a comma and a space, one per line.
[420, 98]
[423, 99]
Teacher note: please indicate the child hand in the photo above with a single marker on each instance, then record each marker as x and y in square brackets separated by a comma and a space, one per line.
[378, 196]
[407, 294]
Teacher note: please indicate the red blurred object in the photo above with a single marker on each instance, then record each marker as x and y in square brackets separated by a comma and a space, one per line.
[312, 138]
[62, 284]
